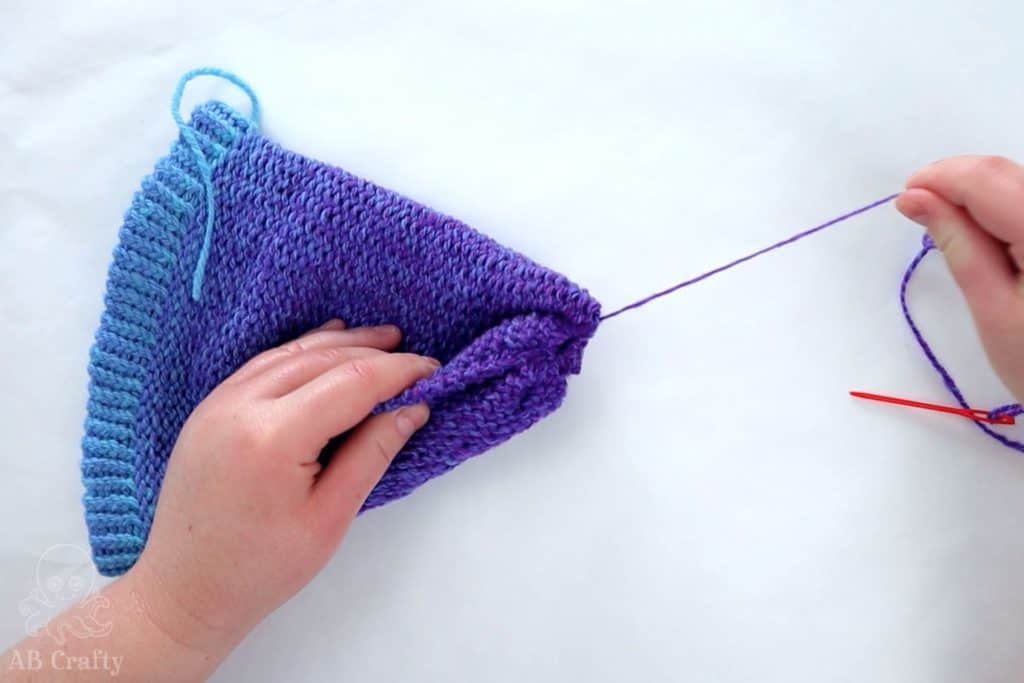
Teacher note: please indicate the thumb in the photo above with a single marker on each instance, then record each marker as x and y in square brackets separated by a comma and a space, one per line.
[978, 261]
[360, 462]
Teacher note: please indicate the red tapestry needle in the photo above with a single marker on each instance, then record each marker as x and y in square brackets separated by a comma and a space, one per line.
[970, 413]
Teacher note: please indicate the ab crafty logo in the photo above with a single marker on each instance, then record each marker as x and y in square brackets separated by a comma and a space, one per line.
[62, 607]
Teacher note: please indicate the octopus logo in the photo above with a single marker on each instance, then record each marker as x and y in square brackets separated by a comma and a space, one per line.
[65, 577]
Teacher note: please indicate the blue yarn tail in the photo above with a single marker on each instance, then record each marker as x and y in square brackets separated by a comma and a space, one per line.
[205, 168]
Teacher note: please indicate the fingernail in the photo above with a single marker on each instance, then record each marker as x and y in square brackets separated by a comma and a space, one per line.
[435, 363]
[411, 418]
[386, 328]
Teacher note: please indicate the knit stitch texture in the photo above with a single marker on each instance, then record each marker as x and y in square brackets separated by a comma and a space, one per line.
[297, 242]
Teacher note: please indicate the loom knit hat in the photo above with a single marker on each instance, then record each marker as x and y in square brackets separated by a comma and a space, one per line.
[234, 245]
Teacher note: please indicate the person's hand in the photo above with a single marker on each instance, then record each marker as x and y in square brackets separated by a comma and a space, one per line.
[973, 209]
[246, 516]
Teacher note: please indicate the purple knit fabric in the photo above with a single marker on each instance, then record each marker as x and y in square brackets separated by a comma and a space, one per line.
[298, 242]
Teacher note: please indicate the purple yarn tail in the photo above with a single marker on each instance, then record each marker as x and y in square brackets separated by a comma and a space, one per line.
[947, 379]
[778, 245]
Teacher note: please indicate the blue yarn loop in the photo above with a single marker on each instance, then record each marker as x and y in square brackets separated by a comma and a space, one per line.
[1013, 409]
[204, 165]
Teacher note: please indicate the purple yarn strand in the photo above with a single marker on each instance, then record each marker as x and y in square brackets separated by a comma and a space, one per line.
[947, 379]
[1012, 409]
[732, 264]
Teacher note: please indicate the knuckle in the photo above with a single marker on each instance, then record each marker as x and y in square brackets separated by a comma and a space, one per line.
[380, 447]
[253, 367]
[334, 354]
[294, 347]
[361, 369]
[943, 240]
[995, 166]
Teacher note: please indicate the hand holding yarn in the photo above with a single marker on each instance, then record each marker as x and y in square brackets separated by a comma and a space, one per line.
[973, 209]
[247, 514]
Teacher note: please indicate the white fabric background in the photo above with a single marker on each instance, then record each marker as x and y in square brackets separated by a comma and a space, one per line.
[708, 505]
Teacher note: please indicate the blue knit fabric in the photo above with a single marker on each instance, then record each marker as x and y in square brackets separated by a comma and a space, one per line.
[119, 506]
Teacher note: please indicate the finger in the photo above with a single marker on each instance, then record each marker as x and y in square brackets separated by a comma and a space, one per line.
[360, 462]
[384, 337]
[258, 362]
[293, 371]
[990, 188]
[978, 261]
[343, 396]
[332, 324]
